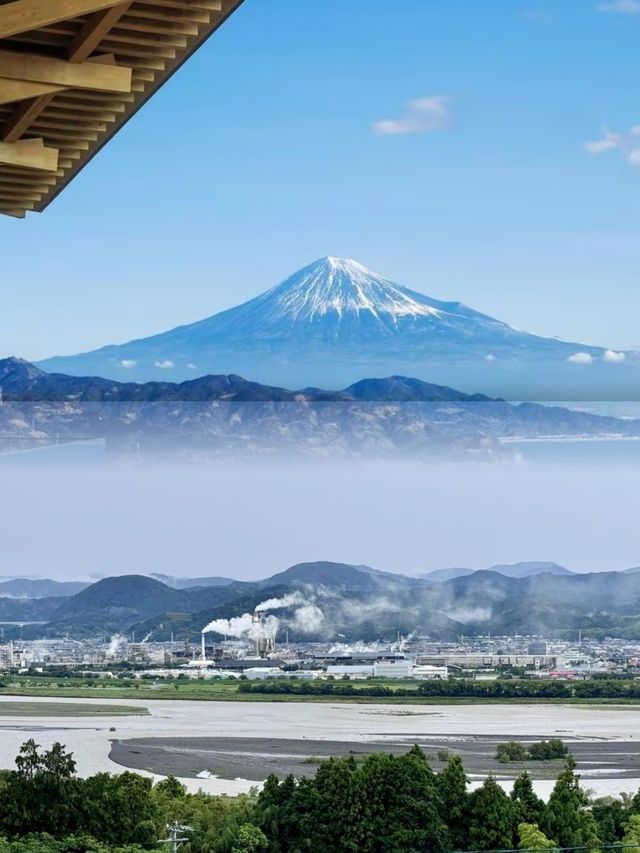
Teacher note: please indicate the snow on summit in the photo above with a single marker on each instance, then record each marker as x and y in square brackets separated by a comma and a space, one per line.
[341, 286]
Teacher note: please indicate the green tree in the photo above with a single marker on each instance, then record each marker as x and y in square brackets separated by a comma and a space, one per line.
[546, 750]
[511, 751]
[490, 817]
[119, 809]
[531, 838]
[566, 819]
[527, 807]
[454, 802]
[170, 788]
[249, 839]
[632, 834]
[611, 815]
[41, 796]
[401, 804]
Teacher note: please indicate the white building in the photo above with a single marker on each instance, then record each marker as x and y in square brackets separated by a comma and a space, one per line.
[426, 672]
[398, 668]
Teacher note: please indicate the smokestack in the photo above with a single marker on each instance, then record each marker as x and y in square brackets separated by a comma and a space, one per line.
[204, 656]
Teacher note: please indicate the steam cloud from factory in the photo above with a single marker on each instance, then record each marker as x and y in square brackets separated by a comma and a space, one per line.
[262, 629]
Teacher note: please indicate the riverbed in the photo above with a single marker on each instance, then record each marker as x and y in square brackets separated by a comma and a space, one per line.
[606, 739]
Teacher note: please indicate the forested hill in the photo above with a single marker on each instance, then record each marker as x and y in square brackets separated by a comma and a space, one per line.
[357, 602]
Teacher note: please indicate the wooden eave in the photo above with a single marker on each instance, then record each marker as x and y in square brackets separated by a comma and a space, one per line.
[73, 72]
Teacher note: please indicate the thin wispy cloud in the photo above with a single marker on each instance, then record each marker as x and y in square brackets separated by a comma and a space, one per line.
[627, 144]
[621, 7]
[423, 115]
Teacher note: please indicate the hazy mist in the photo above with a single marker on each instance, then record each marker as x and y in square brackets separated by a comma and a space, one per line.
[249, 520]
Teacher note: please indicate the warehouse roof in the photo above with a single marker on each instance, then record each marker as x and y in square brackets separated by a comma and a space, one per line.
[72, 72]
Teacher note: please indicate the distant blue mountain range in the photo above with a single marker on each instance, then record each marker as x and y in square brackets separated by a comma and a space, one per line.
[335, 321]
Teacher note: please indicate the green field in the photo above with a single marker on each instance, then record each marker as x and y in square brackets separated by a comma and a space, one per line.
[226, 689]
[66, 709]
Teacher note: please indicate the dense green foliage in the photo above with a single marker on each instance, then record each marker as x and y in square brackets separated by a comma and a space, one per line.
[382, 804]
[46, 808]
[544, 750]
[457, 688]
[530, 838]
[512, 750]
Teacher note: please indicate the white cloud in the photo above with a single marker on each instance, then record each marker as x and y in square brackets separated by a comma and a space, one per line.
[628, 144]
[167, 364]
[489, 357]
[609, 142]
[424, 115]
[580, 358]
[621, 7]
[128, 363]
[613, 357]
[192, 366]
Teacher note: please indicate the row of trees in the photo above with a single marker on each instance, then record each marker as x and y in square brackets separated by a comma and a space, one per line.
[454, 688]
[383, 804]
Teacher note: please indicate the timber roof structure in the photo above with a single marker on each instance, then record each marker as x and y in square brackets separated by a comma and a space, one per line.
[72, 72]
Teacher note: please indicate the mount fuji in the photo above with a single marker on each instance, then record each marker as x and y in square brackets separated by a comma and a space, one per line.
[335, 321]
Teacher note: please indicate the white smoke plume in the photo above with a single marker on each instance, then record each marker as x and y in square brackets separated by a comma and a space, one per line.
[308, 619]
[350, 648]
[280, 603]
[117, 646]
[244, 627]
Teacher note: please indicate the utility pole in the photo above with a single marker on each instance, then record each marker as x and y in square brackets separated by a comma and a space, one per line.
[176, 839]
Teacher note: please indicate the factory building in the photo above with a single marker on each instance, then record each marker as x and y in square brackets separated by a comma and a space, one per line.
[478, 660]
[352, 670]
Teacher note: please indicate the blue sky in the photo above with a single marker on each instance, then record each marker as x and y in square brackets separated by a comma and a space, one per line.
[266, 152]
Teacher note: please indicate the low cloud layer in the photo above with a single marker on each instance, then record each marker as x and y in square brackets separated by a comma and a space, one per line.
[580, 358]
[609, 356]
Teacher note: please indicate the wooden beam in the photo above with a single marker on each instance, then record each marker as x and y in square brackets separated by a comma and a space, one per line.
[93, 76]
[23, 117]
[21, 90]
[95, 29]
[29, 154]
[21, 16]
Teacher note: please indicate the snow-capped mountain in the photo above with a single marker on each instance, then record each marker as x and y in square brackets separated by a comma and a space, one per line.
[334, 321]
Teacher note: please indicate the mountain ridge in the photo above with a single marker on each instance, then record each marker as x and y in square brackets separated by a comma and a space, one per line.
[399, 417]
[354, 602]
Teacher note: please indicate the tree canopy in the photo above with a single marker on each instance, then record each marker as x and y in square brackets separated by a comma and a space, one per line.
[382, 803]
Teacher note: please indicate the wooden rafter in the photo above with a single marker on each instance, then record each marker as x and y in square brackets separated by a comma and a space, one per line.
[83, 45]
[21, 16]
[96, 28]
[61, 84]
[22, 117]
